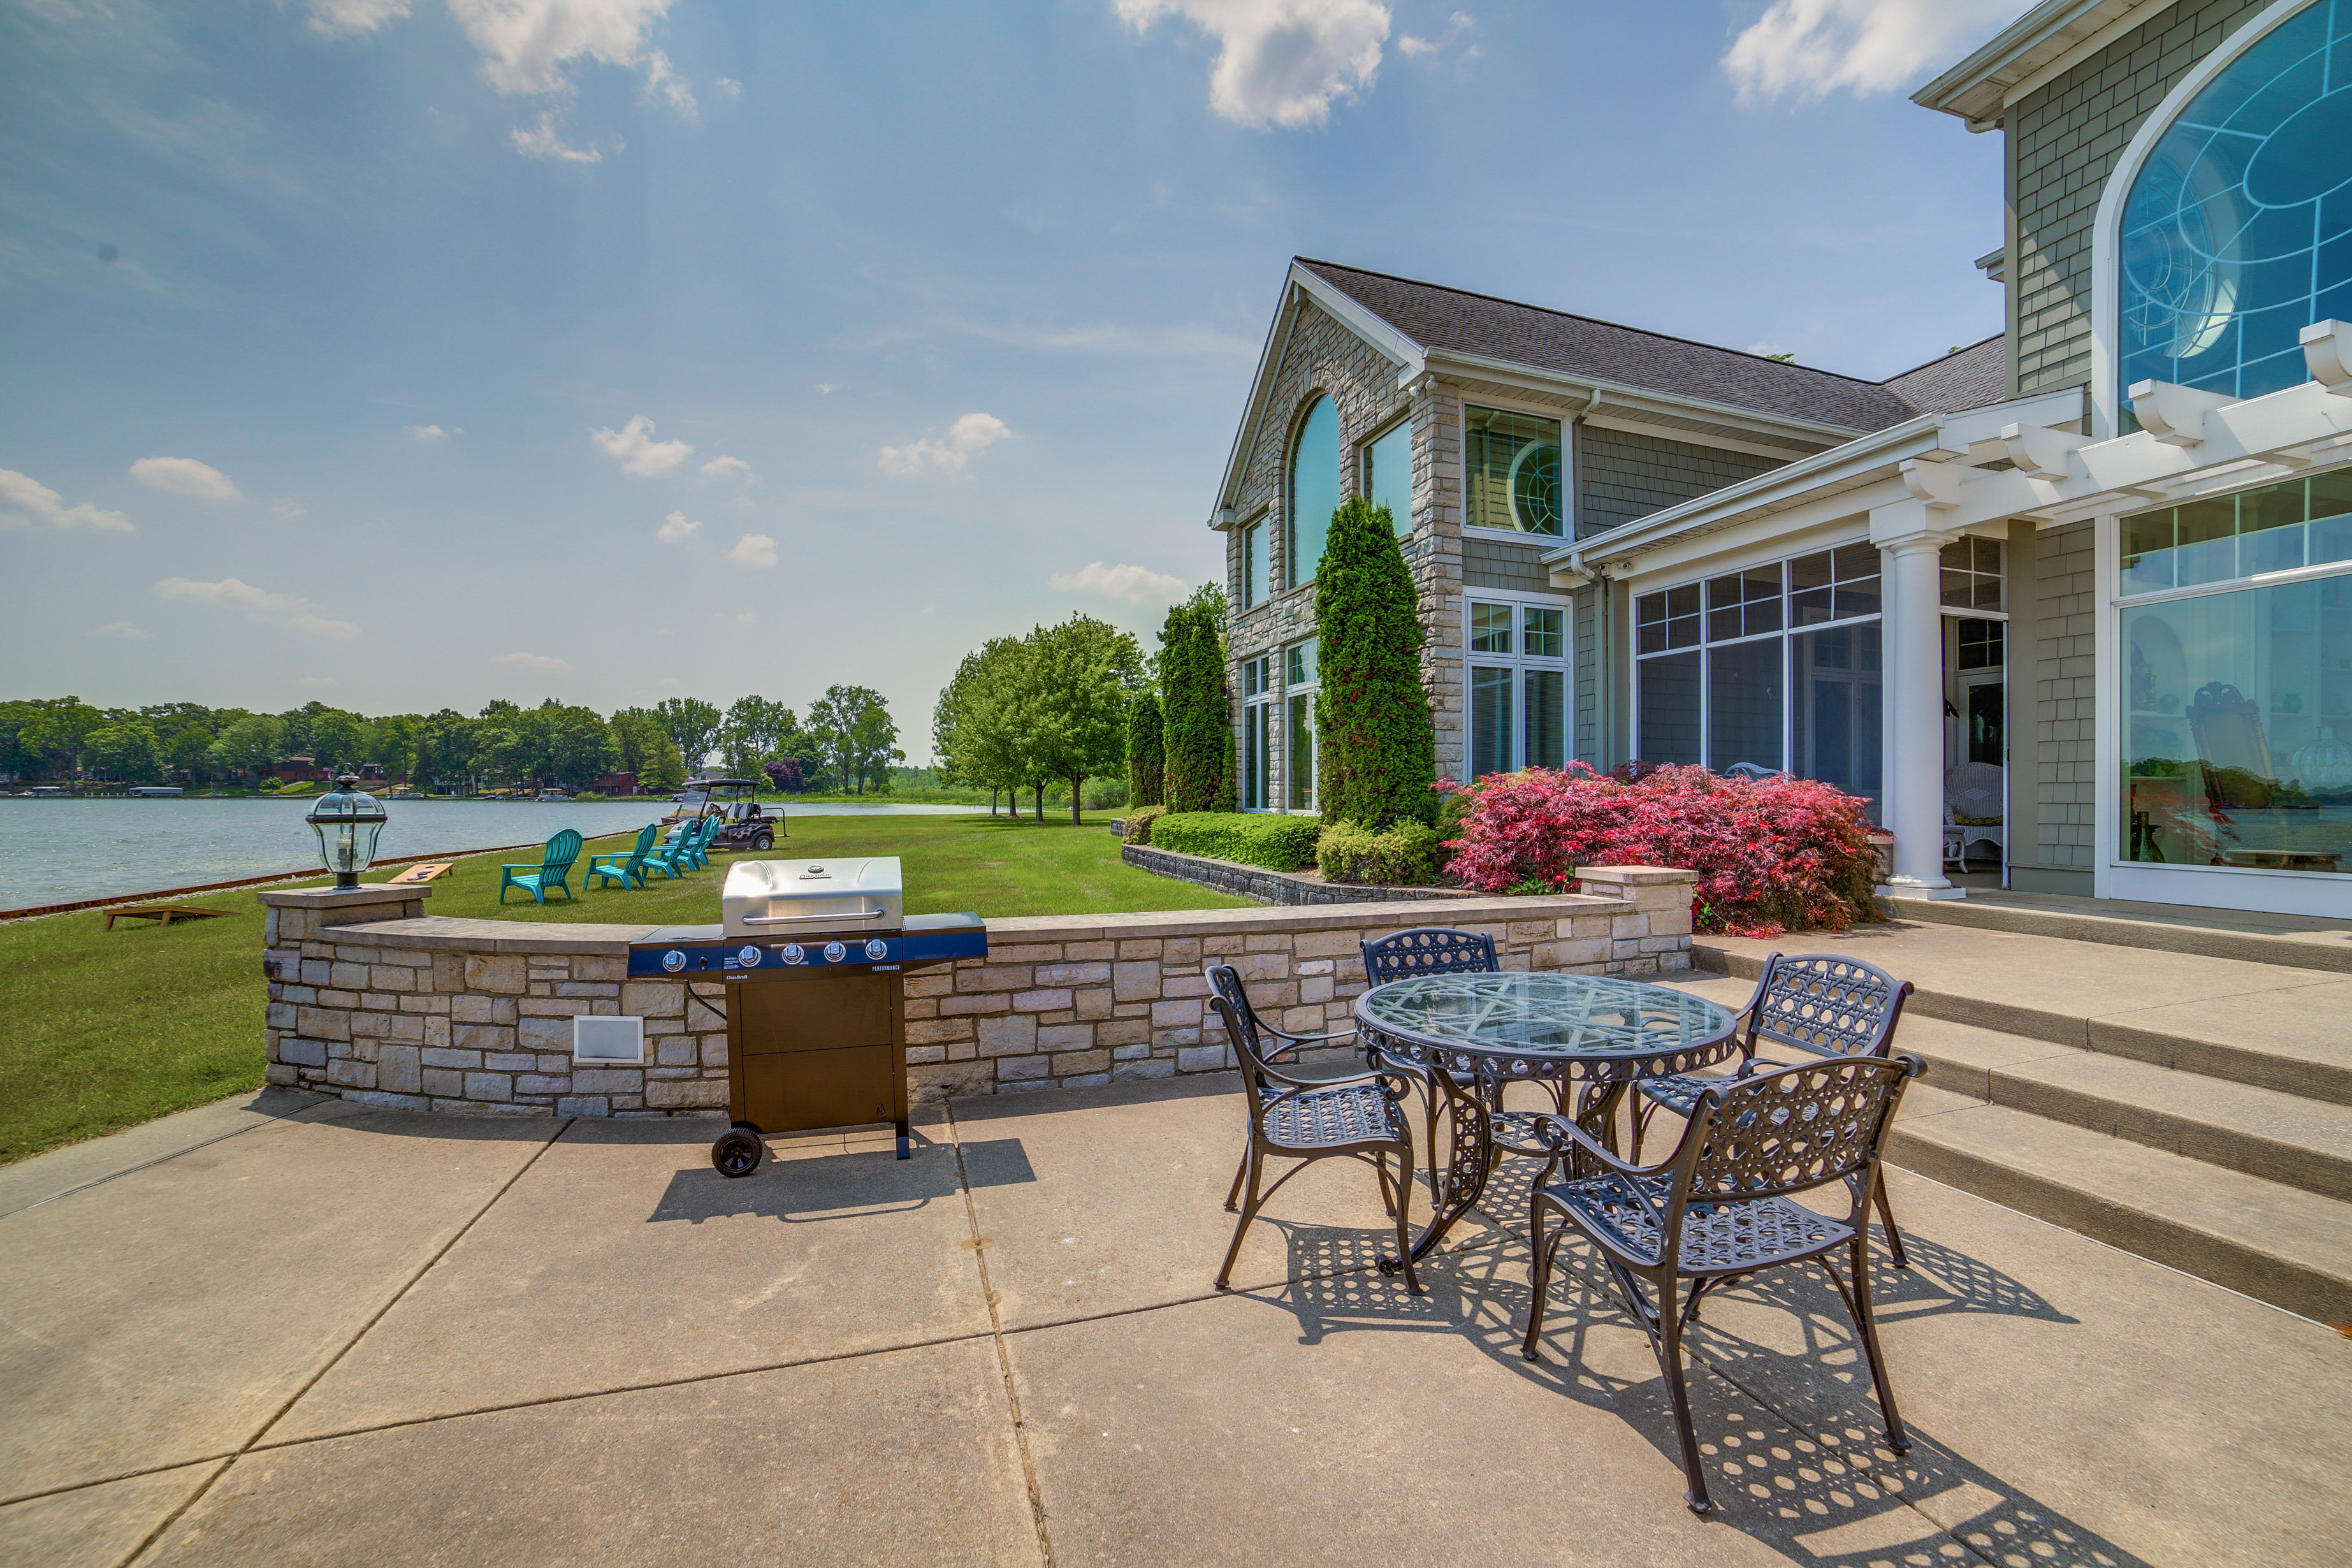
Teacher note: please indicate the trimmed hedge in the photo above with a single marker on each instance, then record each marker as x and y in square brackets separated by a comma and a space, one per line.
[1276, 842]
[1404, 855]
[1137, 828]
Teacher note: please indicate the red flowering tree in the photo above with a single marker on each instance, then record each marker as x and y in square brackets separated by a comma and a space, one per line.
[1772, 855]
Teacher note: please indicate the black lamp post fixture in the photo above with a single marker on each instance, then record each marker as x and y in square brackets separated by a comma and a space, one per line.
[346, 821]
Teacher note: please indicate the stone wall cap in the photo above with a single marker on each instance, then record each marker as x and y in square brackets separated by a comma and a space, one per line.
[341, 897]
[1299, 917]
[491, 936]
[1638, 876]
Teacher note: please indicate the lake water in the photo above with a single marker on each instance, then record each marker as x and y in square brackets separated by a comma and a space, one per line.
[57, 851]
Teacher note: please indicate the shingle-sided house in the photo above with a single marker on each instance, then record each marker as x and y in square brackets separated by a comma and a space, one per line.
[2105, 556]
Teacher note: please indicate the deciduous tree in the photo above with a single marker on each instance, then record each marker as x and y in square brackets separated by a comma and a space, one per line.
[1072, 701]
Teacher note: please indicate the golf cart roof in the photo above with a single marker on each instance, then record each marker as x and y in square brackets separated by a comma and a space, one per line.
[722, 783]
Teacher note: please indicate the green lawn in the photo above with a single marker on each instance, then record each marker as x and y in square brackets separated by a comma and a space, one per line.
[108, 1029]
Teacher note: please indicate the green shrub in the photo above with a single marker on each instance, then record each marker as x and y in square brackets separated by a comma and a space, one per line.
[1139, 824]
[1405, 854]
[1278, 843]
[1375, 755]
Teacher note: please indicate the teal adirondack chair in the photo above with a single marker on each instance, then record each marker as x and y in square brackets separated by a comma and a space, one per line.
[683, 854]
[553, 870]
[628, 869]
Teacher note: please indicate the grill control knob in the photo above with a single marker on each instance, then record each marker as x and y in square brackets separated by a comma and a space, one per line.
[878, 949]
[673, 961]
[834, 952]
[749, 957]
[792, 953]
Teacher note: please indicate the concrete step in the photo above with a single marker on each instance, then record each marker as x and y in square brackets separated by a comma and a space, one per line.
[2284, 1138]
[2275, 1243]
[2254, 1024]
[2291, 941]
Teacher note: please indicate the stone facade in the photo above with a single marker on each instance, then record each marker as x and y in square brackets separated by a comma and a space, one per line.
[474, 1016]
[2064, 139]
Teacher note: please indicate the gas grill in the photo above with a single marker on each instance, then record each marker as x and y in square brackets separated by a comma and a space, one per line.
[814, 955]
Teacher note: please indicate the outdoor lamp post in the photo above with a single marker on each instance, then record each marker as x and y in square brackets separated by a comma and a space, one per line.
[346, 821]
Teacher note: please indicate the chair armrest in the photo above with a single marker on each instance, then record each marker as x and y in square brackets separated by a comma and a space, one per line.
[1560, 1134]
[1265, 1028]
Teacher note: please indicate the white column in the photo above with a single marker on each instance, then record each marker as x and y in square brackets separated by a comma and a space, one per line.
[1912, 637]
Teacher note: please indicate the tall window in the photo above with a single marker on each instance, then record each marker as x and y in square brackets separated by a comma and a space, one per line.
[1518, 687]
[1257, 724]
[1388, 474]
[1254, 563]
[1314, 491]
[1510, 471]
[1301, 680]
[1776, 665]
[2232, 239]
[2237, 684]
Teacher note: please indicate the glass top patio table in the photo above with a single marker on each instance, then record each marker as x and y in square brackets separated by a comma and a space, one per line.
[1544, 1025]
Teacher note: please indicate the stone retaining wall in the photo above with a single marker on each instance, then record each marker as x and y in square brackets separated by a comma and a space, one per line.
[1289, 889]
[374, 1002]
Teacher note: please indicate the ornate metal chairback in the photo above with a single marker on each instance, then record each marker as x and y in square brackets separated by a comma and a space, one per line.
[1232, 1005]
[1429, 950]
[1829, 1005]
[1792, 1128]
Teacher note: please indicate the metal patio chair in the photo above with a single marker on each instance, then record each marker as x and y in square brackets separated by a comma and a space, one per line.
[1719, 1209]
[1818, 1004]
[1303, 1118]
[1438, 950]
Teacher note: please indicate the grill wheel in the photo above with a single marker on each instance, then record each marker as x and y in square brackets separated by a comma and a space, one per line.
[737, 1152]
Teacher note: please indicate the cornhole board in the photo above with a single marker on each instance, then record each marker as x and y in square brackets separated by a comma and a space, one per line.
[165, 913]
[425, 873]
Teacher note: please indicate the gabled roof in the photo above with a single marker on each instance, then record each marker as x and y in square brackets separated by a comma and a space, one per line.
[1436, 317]
[2045, 42]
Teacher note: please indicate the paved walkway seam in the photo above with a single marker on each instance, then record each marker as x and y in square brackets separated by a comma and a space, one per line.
[158, 1160]
[996, 1339]
[147, 1541]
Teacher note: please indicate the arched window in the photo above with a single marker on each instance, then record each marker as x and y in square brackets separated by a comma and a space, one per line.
[2237, 231]
[1314, 490]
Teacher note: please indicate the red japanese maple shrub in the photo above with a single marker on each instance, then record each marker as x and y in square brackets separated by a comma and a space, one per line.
[1774, 855]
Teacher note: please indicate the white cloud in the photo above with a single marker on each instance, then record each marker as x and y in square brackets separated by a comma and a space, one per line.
[543, 140]
[183, 476]
[639, 452]
[545, 663]
[729, 86]
[747, 620]
[727, 468]
[1136, 585]
[121, 629]
[675, 528]
[1459, 22]
[25, 500]
[660, 78]
[354, 18]
[827, 387]
[950, 454]
[288, 508]
[431, 432]
[1279, 62]
[753, 550]
[526, 44]
[229, 592]
[1807, 49]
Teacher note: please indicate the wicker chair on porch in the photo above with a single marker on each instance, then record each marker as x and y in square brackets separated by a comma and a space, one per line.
[1720, 1209]
[1818, 1004]
[1307, 1119]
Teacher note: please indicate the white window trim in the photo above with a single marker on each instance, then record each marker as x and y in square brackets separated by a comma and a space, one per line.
[1566, 534]
[1363, 450]
[2106, 250]
[1267, 699]
[1263, 520]
[2260, 889]
[1518, 663]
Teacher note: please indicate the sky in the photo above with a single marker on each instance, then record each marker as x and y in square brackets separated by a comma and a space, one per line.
[405, 355]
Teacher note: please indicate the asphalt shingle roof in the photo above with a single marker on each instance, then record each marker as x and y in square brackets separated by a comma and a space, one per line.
[1440, 317]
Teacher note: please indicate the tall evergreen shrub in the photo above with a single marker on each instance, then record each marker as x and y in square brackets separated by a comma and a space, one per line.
[1196, 706]
[1377, 754]
[1146, 754]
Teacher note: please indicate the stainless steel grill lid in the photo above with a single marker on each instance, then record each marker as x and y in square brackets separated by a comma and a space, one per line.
[784, 899]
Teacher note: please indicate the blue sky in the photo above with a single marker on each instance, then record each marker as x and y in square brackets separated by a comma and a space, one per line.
[404, 353]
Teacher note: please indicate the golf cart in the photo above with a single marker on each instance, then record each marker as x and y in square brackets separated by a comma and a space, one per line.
[744, 825]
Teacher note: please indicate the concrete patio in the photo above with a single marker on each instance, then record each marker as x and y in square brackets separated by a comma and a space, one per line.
[298, 1331]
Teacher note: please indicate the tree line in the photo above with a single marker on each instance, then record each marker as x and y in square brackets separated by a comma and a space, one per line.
[1080, 701]
[847, 741]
